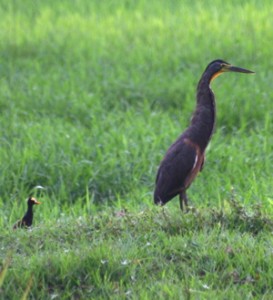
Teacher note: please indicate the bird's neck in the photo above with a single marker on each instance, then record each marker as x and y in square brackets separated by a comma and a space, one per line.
[29, 212]
[203, 119]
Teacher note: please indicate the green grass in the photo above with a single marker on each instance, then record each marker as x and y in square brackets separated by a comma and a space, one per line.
[92, 93]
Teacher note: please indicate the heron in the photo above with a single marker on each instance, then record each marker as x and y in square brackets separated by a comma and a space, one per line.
[186, 156]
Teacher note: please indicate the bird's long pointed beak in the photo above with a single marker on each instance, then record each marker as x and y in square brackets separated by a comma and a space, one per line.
[230, 68]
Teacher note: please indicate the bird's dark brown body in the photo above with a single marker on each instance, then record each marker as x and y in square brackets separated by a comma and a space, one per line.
[27, 219]
[185, 158]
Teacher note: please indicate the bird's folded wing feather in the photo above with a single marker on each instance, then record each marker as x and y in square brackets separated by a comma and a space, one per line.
[176, 166]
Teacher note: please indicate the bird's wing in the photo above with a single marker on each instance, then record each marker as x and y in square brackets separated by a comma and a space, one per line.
[202, 163]
[175, 168]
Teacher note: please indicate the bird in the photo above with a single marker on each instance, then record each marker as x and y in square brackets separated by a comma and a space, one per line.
[186, 156]
[27, 219]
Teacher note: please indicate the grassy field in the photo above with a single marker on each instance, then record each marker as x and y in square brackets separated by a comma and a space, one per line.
[92, 93]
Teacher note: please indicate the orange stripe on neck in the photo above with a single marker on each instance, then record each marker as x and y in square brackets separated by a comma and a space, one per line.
[216, 75]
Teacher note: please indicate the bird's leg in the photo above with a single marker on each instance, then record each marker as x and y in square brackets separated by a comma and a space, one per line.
[181, 201]
[183, 198]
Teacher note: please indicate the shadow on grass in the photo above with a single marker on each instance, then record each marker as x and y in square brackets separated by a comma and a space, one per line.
[236, 217]
[233, 217]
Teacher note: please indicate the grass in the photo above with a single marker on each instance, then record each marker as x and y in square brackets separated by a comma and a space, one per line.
[119, 254]
[91, 95]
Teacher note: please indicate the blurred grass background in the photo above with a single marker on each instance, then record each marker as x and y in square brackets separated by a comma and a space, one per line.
[92, 94]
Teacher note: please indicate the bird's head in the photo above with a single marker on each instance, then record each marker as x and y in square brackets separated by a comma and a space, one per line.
[217, 67]
[33, 201]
